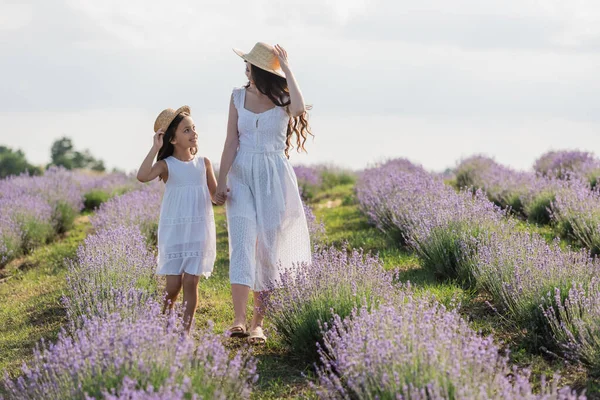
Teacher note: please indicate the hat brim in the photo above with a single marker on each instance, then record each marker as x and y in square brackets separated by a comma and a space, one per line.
[248, 57]
[165, 123]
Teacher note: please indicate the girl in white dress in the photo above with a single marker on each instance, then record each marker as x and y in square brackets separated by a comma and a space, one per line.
[268, 233]
[186, 230]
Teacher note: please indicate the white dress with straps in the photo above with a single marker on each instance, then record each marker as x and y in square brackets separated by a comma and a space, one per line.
[267, 226]
[186, 230]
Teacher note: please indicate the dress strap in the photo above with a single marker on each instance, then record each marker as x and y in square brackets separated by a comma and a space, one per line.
[238, 98]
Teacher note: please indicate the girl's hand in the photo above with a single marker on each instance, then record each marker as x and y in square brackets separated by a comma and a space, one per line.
[282, 56]
[221, 195]
[158, 139]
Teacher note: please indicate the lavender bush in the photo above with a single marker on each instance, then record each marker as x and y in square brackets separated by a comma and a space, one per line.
[335, 282]
[564, 163]
[25, 223]
[309, 180]
[389, 195]
[118, 356]
[316, 229]
[417, 350]
[403, 199]
[575, 323]
[577, 213]
[113, 272]
[57, 186]
[442, 235]
[519, 269]
[139, 208]
[503, 186]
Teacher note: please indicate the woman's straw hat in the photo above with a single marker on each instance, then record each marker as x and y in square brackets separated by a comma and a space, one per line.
[167, 116]
[262, 56]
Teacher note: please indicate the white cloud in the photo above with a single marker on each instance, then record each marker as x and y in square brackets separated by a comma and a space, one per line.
[15, 16]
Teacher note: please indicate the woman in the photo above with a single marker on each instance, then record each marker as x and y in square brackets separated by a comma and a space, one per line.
[267, 227]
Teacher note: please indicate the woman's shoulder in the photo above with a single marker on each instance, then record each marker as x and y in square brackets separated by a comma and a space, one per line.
[237, 94]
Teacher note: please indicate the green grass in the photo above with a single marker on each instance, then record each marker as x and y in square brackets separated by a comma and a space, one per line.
[30, 295]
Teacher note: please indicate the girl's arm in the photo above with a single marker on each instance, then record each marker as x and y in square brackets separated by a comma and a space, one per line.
[296, 106]
[147, 171]
[229, 152]
[210, 178]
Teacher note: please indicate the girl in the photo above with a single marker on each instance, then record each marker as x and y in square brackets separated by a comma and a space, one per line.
[268, 232]
[186, 230]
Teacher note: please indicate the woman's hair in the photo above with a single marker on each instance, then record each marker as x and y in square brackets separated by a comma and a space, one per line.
[275, 88]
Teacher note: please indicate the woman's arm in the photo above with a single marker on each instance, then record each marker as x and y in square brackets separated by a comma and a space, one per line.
[296, 106]
[229, 152]
[210, 178]
[147, 171]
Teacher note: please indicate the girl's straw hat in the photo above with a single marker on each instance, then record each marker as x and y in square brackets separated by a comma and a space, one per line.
[262, 56]
[167, 116]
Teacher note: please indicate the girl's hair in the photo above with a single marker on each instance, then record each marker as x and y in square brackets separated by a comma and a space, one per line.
[275, 88]
[167, 148]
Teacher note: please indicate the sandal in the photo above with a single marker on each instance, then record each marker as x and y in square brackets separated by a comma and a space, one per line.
[237, 331]
[257, 336]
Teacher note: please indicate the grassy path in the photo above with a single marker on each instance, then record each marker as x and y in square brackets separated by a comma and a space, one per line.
[30, 295]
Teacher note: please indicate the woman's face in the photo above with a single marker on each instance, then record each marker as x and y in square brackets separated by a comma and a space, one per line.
[248, 73]
[186, 135]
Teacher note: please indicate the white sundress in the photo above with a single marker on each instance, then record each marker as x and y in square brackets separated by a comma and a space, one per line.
[267, 226]
[186, 229]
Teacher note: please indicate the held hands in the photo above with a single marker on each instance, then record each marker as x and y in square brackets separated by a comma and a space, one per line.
[158, 140]
[282, 56]
[221, 195]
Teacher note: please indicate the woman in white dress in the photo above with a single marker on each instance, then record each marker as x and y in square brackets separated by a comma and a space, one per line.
[268, 233]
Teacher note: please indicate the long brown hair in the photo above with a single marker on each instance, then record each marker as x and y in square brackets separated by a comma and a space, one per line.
[276, 89]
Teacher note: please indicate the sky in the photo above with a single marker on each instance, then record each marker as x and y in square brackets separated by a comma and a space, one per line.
[433, 81]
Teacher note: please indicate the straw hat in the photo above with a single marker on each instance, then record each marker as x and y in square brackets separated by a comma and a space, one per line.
[167, 116]
[262, 56]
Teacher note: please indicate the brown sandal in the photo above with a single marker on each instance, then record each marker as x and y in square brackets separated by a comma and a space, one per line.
[237, 331]
[257, 336]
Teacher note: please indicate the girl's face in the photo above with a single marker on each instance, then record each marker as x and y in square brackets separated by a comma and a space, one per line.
[185, 135]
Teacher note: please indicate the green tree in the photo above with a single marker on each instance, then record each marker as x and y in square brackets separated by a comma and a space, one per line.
[63, 153]
[14, 163]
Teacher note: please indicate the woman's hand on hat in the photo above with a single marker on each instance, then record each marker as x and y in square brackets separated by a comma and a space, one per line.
[158, 139]
[282, 56]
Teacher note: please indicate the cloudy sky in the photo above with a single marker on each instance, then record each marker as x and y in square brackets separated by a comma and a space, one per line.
[430, 80]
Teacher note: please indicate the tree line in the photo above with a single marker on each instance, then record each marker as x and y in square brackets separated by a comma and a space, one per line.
[62, 153]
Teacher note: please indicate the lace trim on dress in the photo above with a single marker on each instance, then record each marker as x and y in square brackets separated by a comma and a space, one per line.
[183, 254]
[184, 220]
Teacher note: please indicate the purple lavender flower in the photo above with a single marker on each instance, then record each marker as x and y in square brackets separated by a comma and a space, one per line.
[576, 210]
[418, 350]
[575, 322]
[518, 269]
[565, 162]
[335, 282]
[316, 229]
[307, 175]
[113, 272]
[139, 208]
[117, 356]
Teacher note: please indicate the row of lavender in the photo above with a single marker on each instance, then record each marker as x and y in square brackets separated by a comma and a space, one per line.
[118, 344]
[561, 191]
[33, 209]
[373, 338]
[551, 292]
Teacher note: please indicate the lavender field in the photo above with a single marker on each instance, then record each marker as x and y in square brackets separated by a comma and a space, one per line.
[480, 284]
